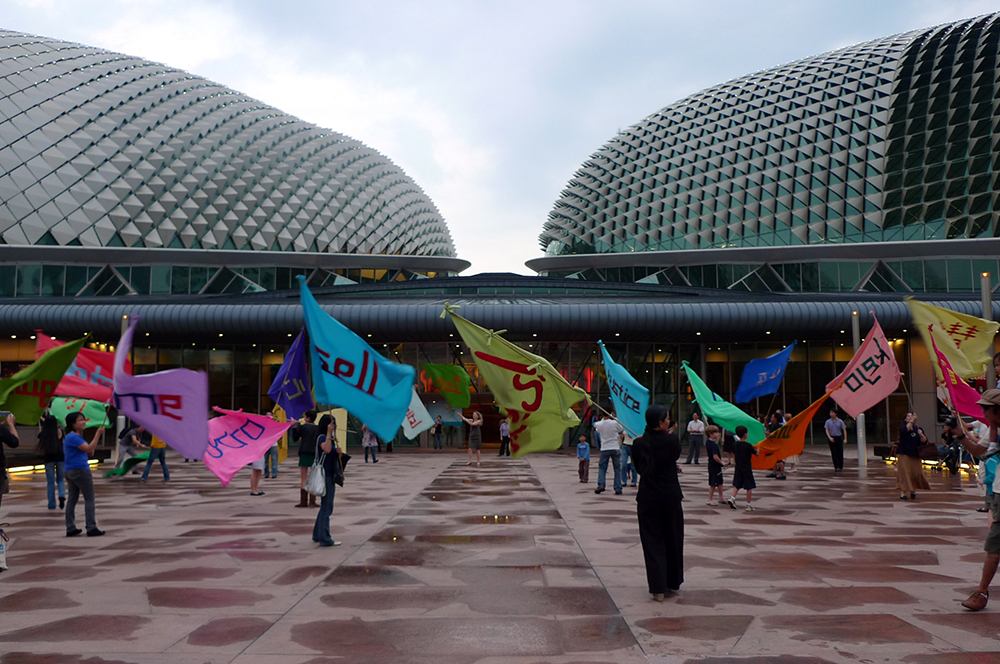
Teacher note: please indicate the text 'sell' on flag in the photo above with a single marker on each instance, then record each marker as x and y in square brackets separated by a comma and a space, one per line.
[630, 398]
[763, 375]
[788, 440]
[452, 381]
[417, 418]
[965, 340]
[537, 399]
[95, 412]
[171, 404]
[347, 372]
[961, 395]
[28, 392]
[91, 374]
[239, 438]
[723, 413]
[871, 376]
[290, 388]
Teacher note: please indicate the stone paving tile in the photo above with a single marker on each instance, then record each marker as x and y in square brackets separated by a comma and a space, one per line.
[515, 562]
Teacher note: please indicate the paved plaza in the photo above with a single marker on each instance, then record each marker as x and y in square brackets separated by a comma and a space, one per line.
[516, 561]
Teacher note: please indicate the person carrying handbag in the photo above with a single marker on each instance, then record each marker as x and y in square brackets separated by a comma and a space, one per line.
[327, 463]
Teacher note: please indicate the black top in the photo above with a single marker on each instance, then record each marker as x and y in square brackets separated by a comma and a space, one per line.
[307, 434]
[909, 441]
[51, 446]
[743, 456]
[330, 462]
[8, 439]
[655, 455]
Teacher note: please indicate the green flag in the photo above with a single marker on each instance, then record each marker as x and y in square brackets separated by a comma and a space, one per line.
[28, 392]
[723, 413]
[95, 412]
[536, 398]
[452, 381]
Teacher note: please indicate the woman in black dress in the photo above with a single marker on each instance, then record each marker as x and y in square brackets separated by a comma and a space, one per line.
[661, 519]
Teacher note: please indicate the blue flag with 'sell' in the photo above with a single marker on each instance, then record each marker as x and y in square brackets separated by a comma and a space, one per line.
[290, 388]
[763, 375]
[629, 397]
[349, 373]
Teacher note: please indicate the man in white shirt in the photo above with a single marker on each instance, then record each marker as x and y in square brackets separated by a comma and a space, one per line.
[696, 436]
[610, 432]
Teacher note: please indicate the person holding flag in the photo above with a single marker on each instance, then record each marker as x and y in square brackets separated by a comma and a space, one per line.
[78, 477]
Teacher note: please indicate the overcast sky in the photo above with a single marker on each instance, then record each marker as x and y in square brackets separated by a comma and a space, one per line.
[489, 106]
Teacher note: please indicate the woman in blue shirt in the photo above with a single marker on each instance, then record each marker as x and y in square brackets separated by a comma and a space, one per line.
[77, 474]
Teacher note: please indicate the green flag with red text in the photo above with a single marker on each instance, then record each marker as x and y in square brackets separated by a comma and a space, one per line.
[534, 395]
[95, 412]
[28, 392]
[452, 381]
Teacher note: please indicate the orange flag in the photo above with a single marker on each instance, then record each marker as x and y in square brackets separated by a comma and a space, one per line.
[788, 440]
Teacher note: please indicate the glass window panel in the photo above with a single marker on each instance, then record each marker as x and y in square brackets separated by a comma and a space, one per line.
[29, 280]
[179, 280]
[935, 276]
[913, 275]
[960, 276]
[159, 280]
[140, 279]
[8, 277]
[198, 278]
[53, 280]
[849, 276]
[829, 277]
[220, 376]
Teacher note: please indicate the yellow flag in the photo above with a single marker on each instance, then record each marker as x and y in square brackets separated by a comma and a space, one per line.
[965, 340]
[537, 398]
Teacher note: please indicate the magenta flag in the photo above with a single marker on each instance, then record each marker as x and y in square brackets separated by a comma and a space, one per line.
[963, 396]
[239, 438]
[871, 376]
[172, 404]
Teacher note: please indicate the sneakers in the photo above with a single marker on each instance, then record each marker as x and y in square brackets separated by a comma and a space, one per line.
[62, 503]
[731, 502]
[330, 543]
[73, 533]
[599, 489]
[618, 493]
[96, 532]
[712, 504]
[750, 508]
[780, 477]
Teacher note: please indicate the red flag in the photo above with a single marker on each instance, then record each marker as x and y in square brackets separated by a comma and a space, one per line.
[91, 375]
[963, 396]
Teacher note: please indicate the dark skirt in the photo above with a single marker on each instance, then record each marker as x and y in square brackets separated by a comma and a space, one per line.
[661, 531]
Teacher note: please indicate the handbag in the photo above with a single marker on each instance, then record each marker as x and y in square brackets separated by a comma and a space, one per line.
[316, 478]
[341, 464]
[928, 451]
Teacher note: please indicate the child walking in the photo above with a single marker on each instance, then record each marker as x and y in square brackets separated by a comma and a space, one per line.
[715, 465]
[583, 455]
[743, 472]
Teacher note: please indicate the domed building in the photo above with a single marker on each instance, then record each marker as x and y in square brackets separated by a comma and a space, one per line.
[124, 176]
[869, 168]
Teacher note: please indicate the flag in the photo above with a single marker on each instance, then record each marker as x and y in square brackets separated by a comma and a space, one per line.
[91, 375]
[128, 464]
[290, 388]
[962, 397]
[417, 418]
[870, 377]
[28, 392]
[349, 373]
[536, 398]
[630, 398]
[723, 413]
[452, 381]
[763, 375]
[95, 412]
[171, 404]
[788, 440]
[965, 340]
[239, 438]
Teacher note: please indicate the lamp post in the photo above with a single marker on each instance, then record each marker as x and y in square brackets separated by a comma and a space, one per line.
[987, 293]
[862, 445]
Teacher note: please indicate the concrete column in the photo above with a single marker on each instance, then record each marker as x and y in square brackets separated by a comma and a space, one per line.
[862, 446]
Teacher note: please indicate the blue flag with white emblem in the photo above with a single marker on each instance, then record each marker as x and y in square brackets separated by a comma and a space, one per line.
[349, 373]
[630, 398]
[290, 388]
[763, 375]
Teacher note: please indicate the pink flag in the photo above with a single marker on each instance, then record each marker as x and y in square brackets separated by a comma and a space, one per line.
[239, 438]
[871, 376]
[963, 396]
[172, 404]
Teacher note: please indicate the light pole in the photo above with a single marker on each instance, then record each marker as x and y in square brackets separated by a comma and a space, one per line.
[862, 446]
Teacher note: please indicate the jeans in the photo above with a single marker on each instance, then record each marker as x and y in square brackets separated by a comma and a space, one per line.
[373, 454]
[602, 468]
[80, 481]
[437, 441]
[154, 454]
[627, 466]
[271, 461]
[321, 531]
[53, 478]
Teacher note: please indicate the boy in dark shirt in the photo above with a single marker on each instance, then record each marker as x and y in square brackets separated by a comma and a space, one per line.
[743, 473]
[714, 465]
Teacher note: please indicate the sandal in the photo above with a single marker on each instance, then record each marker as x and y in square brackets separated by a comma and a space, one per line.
[903, 496]
[977, 601]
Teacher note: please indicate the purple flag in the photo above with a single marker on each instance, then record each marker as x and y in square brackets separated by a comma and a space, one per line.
[172, 404]
[290, 388]
[239, 438]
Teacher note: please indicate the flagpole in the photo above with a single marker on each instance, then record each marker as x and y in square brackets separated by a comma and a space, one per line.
[984, 287]
[860, 420]
[598, 407]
